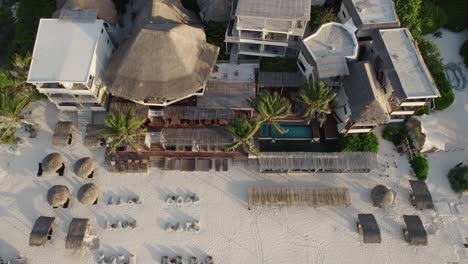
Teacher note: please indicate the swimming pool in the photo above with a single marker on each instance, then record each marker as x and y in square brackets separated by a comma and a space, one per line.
[296, 130]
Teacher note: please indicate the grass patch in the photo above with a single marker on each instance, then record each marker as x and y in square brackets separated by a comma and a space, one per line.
[360, 142]
[458, 178]
[215, 34]
[278, 65]
[395, 134]
[420, 167]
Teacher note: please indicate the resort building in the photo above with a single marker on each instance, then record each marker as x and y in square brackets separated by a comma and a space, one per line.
[326, 53]
[267, 28]
[369, 15]
[166, 59]
[69, 59]
[400, 71]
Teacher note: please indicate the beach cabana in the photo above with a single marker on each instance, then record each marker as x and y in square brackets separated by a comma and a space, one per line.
[84, 168]
[62, 133]
[88, 194]
[92, 138]
[58, 196]
[298, 197]
[42, 231]
[421, 198]
[52, 162]
[77, 232]
[414, 231]
[368, 228]
[382, 196]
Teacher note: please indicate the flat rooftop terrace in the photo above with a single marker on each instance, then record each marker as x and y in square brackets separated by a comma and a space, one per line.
[375, 11]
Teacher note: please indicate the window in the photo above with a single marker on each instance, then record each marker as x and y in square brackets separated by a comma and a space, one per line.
[299, 24]
[301, 65]
[344, 14]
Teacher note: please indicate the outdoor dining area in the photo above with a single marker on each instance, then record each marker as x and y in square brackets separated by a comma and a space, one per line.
[129, 166]
[195, 139]
[190, 115]
[188, 164]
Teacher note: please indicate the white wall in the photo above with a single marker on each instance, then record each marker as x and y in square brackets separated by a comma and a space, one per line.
[308, 68]
[102, 55]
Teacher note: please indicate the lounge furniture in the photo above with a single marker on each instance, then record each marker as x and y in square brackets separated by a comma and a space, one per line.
[421, 198]
[414, 231]
[368, 228]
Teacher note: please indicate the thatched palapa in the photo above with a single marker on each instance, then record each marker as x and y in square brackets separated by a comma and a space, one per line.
[124, 106]
[298, 197]
[196, 113]
[382, 196]
[78, 230]
[43, 227]
[414, 232]
[195, 136]
[317, 162]
[58, 195]
[421, 197]
[84, 167]
[52, 162]
[105, 8]
[62, 133]
[369, 228]
[88, 194]
[92, 138]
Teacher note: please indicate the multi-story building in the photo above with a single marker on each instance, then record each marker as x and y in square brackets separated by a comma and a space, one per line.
[369, 15]
[69, 58]
[267, 28]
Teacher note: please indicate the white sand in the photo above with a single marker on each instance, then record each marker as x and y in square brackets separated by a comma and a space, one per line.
[229, 232]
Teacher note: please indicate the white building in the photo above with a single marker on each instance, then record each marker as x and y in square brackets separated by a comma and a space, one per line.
[68, 61]
[325, 53]
[369, 15]
[267, 28]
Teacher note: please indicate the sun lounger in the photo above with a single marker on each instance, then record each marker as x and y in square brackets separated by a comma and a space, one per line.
[177, 164]
[188, 165]
[168, 164]
[203, 165]
[218, 165]
[225, 165]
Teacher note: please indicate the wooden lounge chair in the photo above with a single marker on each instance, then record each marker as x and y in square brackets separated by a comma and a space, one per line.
[225, 165]
[218, 165]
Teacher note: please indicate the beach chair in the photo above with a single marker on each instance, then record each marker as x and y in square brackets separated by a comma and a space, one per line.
[225, 165]
[218, 165]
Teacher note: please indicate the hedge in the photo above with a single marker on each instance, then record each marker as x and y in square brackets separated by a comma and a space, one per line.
[360, 142]
[420, 167]
[458, 178]
[394, 133]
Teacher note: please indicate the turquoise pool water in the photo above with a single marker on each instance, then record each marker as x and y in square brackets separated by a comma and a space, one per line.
[295, 130]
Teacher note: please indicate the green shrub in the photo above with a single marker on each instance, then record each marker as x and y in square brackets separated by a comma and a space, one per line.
[458, 178]
[432, 16]
[423, 111]
[420, 167]
[7, 31]
[278, 65]
[456, 14]
[409, 14]
[360, 142]
[321, 15]
[464, 52]
[394, 133]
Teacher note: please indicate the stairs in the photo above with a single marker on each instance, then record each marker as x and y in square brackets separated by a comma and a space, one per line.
[85, 117]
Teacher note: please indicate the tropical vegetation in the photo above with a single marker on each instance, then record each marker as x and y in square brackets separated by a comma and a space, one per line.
[121, 129]
[360, 142]
[458, 178]
[12, 104]
[420, 167]
[243, 130]
[316, 100]
[271, 107]
[278, 64]
[395, 133]
[321, 15]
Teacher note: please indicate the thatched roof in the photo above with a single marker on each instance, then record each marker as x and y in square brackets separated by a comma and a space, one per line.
[84, 167]
[124, 106]
[227, 95]
[422, 196]
[62, 132]
[58, 195]
[88, 193]
[196, 113]
[370, 228]
[367, 101]
[195, 136]
[416, 234]
[317, 161]
[52, 162]
[161, 63]
[77, 231]
[280, 79]
[382, 196]
[92, 138]
[40, 230]
[105, 8]
[298, 197]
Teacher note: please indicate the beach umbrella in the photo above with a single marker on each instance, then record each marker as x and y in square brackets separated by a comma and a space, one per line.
[52, 162]
[88, 194]
[84, 167]
[58, 195]
[381, 196]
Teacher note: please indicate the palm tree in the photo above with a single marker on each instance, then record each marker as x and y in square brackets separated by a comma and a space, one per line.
[243, 131]
[122, 128]
[271, 106]
[316, 100]
[11, 105]
[18, 74]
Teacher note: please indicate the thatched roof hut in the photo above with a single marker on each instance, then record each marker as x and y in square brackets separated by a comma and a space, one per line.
[414, 232]
[298, 197]
[92, 138]
[52, 162]
[105, 8]
[382, 196]
[369, 228]
[58, 195]
[78, 230]
[41, 229]
[421, 197]
[84, 167]
[62, 132]
[88, 194]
